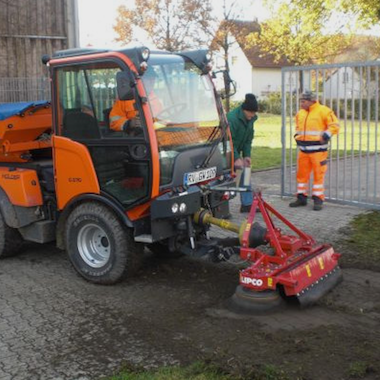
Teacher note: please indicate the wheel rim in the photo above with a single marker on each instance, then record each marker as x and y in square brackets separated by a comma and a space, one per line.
[94, 245]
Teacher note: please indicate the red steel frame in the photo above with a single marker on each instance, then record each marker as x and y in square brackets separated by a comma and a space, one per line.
[297, 263]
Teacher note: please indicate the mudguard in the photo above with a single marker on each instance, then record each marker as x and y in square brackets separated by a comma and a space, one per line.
[17, 216]
[87, 198]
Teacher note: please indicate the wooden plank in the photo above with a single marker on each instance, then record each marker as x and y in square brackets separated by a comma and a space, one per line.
[32, 16]
[4, 19]
[21, 24]
[3, 57]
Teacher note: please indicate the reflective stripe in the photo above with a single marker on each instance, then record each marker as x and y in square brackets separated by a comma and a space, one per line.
[328, 133]
[302, 184]
[313, 147]
[115, 118]
[317, 186]
[317, 192]
[310, 133]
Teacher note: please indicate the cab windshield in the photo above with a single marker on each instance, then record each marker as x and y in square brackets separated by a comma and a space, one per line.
[183, 107]
[182, 103]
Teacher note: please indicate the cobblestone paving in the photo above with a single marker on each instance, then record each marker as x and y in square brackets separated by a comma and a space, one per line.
[54, 325]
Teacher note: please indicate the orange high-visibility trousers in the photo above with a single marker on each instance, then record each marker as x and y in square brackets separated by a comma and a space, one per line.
[308, 162]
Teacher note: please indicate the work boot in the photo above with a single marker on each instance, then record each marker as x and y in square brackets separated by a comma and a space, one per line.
[301, 201]
[245, 208]
[318, 203]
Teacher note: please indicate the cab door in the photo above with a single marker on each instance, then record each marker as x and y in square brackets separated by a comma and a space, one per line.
[89, 156]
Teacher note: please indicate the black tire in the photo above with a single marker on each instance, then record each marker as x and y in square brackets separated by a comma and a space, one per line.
[10, 239]
[100, 247]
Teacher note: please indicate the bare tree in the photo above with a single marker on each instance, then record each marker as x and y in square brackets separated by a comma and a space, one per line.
[172, 25]
[224, 31]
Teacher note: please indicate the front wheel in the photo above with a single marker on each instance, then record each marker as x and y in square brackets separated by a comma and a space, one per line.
[100, 247]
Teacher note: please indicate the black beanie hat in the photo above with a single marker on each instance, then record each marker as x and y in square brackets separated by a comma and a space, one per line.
[250, 103]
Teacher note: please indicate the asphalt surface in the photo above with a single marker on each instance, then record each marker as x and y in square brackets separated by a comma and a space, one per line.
[56, 326]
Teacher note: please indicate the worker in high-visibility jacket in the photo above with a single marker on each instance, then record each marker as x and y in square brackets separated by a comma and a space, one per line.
[124, 116]
[315, 124]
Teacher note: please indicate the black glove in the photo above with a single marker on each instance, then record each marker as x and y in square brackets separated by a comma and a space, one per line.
[132, 123]
[326, 137]
[133, 126]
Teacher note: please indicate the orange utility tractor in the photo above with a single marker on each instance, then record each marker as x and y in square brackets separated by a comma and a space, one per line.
[134, 150]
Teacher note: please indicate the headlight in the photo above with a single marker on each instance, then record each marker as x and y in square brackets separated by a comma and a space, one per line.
[182, 207]
[145, 54]
[175, 208]
[226, 195]
[143, 66]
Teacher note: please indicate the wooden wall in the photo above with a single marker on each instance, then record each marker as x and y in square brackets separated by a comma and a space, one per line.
[32, 28]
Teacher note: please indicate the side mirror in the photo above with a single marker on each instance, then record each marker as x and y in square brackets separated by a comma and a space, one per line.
[225, 86]
[125, 85]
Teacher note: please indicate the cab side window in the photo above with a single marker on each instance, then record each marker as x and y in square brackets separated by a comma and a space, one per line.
[86, 95]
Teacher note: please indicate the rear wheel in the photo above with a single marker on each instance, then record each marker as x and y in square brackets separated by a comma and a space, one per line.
[10, 239]
[100, 247]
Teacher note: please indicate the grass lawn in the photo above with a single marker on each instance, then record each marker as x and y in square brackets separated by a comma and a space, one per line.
[196, 371]
[362, 242]
[200, 371]
[267, 150]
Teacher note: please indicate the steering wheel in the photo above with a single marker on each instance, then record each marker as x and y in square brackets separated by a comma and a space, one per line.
[172, 110]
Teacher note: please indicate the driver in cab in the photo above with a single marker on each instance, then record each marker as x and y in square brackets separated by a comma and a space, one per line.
[124, 116]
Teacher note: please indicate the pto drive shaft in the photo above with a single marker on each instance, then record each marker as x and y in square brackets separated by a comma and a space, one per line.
[257, 233]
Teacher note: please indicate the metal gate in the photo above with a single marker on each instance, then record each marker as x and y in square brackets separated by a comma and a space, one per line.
[352, 91]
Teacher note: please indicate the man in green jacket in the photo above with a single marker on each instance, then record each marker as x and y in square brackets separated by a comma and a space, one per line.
[241, 121]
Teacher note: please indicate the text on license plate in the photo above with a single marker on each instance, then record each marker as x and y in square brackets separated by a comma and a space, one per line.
[199, 176]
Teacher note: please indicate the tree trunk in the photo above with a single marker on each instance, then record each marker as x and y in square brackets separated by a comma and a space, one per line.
[227, 85]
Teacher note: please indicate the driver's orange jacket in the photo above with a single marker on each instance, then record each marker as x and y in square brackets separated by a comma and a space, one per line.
[311, 125]
[121, 111]
[124, 110]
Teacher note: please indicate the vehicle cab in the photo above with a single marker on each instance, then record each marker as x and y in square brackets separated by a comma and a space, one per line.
[156, 170]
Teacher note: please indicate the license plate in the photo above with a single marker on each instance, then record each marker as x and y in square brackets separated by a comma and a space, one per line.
[199, 176]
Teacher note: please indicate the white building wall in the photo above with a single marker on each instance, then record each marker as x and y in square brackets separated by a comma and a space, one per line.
[241, 73]
[344, 82]
[259, 81]
[265, 81]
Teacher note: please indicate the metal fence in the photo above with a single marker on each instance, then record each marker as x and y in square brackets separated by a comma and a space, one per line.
[24, 89]
[352, 91]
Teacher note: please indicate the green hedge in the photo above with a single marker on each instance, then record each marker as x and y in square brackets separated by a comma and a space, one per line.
[271, 104]
[353, 108]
